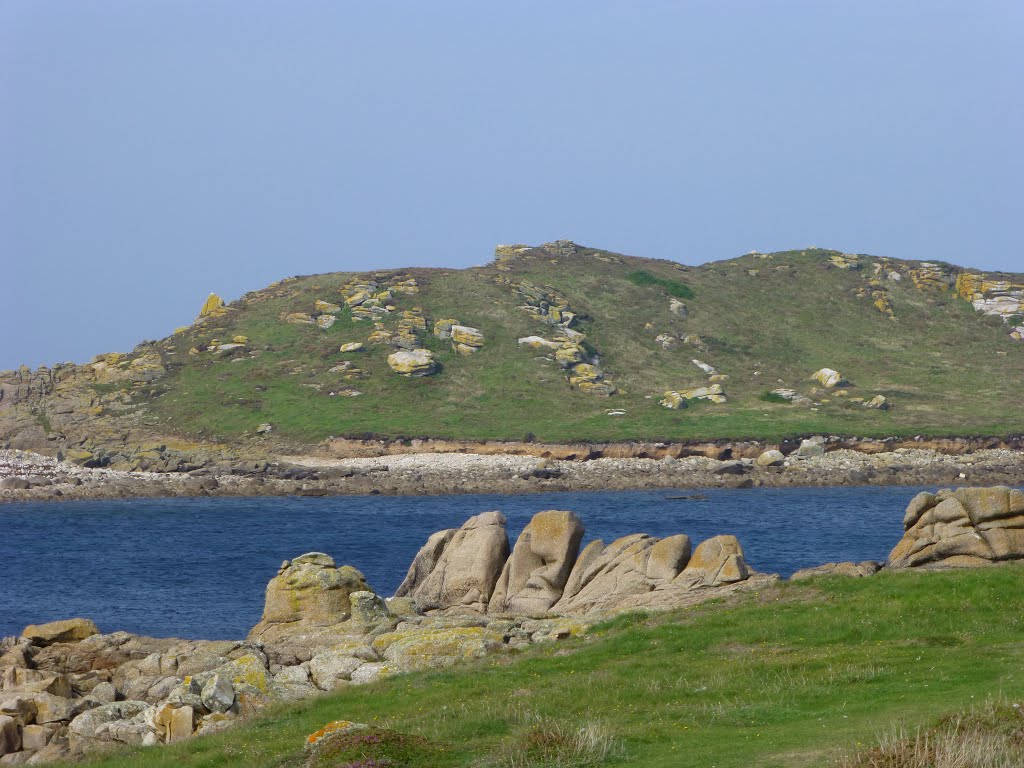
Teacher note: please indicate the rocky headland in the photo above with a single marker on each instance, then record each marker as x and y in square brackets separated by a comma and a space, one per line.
[66, 689]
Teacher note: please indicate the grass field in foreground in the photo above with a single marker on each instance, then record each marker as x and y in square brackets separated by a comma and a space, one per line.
[796, 675]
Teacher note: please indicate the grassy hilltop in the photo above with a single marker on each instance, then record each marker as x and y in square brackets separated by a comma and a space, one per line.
[763, 321]
[798, 676]
[939, 343]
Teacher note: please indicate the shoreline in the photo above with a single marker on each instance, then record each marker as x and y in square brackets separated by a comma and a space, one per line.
[26, 476]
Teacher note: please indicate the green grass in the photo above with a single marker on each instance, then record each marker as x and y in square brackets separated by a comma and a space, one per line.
[944, 368]
[671, 287]
[794, 676]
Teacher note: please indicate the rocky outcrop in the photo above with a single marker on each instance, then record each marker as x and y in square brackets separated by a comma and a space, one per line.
[534, 576]
[459, 568]
[547, 575]
[578, 360]
[998, 295]
[963, 527]
[307, 600]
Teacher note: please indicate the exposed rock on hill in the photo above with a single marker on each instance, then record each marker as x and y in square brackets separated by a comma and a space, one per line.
[588, 322]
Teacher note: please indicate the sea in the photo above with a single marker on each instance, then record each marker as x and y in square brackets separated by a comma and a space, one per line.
[198, 567]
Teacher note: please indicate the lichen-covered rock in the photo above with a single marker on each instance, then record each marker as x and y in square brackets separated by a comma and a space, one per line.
[352, 346]
[466, 565]
[313, 589]
[677, 308]
[316, 739]
[412, 363]
[369, 609]
[538, 342]
[93, 728]
[828, 378]
[326, 307]
[213, 306]
[676, 399]
[470, 337]
[65, 631]
[298, 318]
[434, 648]
[535, 574]
[326, 321]
[443, 328]
[716, 561]
[968, 526]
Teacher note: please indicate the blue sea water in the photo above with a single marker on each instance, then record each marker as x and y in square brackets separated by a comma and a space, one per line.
[198, 567]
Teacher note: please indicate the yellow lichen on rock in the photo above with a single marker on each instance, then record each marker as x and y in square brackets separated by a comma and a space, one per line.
[213, 307]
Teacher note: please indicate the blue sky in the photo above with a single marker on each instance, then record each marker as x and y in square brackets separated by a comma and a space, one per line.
[152, 152]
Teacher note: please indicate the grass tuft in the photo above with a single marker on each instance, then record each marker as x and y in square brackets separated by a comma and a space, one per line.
[672, 287]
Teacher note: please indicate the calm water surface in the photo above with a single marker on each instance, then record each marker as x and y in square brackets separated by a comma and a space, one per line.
[198, 567]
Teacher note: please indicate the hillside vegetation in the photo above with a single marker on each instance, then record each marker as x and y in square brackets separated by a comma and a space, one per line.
[800, 675]
[906, 331]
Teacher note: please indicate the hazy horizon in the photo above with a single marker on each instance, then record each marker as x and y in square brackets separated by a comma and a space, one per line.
[153, 153]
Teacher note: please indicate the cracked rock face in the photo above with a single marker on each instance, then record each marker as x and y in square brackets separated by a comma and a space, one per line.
[460, 567]
[965, 527]
[535, 575]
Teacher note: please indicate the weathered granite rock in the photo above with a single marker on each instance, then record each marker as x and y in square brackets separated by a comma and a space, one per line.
[92, 729]
[312, 588]
[466, 566]
[434, 648]
[828, 378]
[534, 576]
[333, 668]
[676, 399]
[66, 631]
[412, 363]
[965, 527]
[771, 458]
[368, 610]
[852, 570]
[171, 723]
[35, 737]
[218, 694]
[716, 561]
[10, 736]
[607, 578]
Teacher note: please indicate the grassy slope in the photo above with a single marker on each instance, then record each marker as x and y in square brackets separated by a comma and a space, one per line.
[791, 677]
[946, 369]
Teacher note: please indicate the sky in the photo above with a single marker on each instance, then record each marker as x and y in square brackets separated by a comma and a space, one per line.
[152, 152]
